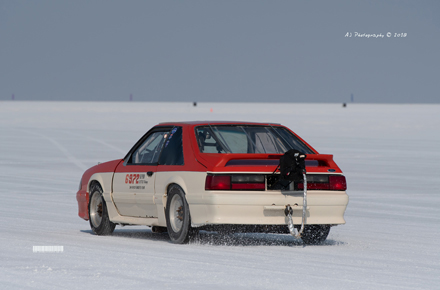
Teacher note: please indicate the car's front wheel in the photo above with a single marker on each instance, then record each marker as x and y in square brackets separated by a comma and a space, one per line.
[98, 215]
[178, 216]
[315, 234]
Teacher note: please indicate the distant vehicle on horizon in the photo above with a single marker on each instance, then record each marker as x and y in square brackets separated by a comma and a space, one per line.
[184, 177]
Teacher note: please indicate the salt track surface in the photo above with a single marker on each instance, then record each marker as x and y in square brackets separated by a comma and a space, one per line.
[389, 154]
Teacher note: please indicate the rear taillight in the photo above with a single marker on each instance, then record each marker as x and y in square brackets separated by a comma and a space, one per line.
[337, 182]
[314, 186]
[324, 182]
[218, 182]
[248, 186]
[235, 182]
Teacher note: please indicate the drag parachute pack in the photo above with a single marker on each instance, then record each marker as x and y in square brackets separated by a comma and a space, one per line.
[292, 166]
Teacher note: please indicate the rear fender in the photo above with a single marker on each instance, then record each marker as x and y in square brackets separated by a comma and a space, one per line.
[191, 182]
[161, 195]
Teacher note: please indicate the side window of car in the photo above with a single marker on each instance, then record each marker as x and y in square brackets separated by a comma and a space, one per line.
[172, 153]
[206, 142]
[149, 151]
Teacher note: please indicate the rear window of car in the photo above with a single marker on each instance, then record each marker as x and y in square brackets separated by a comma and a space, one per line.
[248, 139]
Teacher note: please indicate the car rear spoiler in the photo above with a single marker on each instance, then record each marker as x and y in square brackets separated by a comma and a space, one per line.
[263, 162]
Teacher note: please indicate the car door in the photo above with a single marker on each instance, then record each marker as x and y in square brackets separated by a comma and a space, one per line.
[134, 179]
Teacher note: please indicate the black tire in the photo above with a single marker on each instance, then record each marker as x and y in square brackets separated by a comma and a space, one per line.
[315, 234]
[98, 215]
[177, 216]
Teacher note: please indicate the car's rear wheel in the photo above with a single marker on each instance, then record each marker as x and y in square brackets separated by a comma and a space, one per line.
[98, 215]
[315, 234]
[178, 216]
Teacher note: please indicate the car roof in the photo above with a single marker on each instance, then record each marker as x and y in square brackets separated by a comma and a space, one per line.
[199, 123]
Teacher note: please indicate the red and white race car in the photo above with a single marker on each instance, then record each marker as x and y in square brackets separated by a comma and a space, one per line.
[188, 176]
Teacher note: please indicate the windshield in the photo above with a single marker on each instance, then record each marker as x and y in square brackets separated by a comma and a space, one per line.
[248, 139]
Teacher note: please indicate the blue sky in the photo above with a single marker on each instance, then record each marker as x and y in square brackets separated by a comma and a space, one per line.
[221, 51]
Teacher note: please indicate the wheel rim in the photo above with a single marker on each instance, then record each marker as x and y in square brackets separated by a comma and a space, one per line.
[176, 213]
[96, 209]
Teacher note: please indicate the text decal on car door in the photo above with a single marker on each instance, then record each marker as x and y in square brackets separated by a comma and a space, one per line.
[134, 178]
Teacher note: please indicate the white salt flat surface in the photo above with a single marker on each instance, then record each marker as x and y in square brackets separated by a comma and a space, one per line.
[390, 155]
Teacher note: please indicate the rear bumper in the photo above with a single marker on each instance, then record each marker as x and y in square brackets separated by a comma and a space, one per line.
[267, 208]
